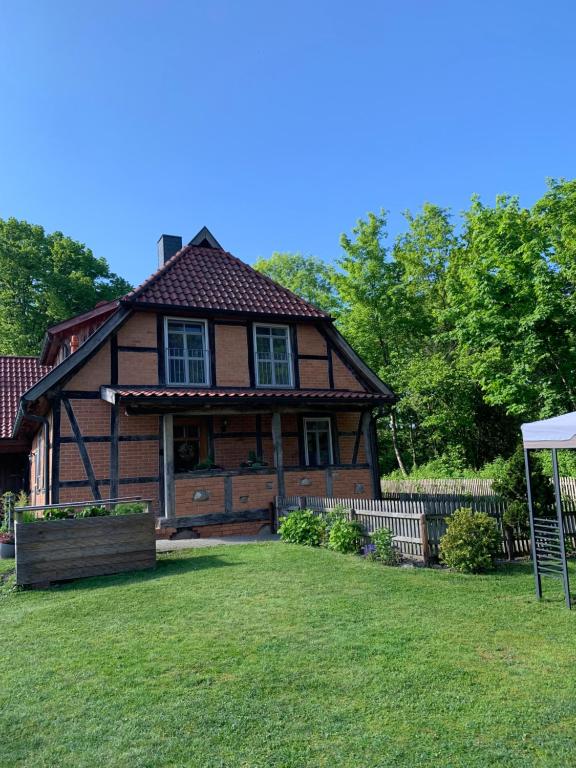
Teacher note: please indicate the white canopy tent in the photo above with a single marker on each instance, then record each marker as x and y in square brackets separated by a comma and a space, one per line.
[547, 533]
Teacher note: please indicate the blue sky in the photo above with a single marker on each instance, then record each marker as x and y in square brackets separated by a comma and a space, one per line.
[275, 124]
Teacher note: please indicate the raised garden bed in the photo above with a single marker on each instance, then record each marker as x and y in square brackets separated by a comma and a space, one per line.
[57, 550]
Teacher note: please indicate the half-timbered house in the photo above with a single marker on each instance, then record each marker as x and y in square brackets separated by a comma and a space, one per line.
[209, 389]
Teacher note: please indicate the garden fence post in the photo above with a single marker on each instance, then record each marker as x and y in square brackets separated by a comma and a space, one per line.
[424, 539]
[353, 514]
[302, 502]
[273, 517]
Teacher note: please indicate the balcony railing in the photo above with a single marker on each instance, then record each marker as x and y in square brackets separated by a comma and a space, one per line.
[187, 366]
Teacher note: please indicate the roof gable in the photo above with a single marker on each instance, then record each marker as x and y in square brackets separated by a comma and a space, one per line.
[208, 278]
[17, 374]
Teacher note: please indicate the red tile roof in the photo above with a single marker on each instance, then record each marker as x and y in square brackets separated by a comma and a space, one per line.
[17, 374]
[235, 394]
[208, 278]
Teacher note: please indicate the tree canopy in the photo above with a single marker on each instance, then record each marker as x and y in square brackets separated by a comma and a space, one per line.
[44, 279]
[471, 321]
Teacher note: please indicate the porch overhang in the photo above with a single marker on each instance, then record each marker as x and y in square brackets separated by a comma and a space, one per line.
[172, 399]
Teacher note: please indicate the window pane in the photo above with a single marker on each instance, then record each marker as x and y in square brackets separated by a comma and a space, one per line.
[263, 347]
[311, 443]
[175, 341]
[196, 371]
[282, 374]
[261, 331]
[279, 332]
[177, 371]
[280, 349]
[318, 442]
[195, 341]
[264, 372]
[323, 448]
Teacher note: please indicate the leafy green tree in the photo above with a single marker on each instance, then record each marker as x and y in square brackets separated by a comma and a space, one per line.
[307, 276]
[44, 279]
[513, 313]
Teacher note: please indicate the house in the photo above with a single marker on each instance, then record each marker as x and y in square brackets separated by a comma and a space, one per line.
[17, 374]
[209, 389]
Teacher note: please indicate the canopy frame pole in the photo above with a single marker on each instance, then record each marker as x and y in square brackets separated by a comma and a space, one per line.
[559, 516]
[537, 579]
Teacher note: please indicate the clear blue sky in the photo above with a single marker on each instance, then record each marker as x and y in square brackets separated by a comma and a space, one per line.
[275, 124]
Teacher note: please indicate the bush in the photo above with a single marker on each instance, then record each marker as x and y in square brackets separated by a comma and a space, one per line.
[96, 510]
[510, 485]
[345, 535]
[129, 508]
[302, 527]
[385, 551]
[471, 541]
[59, 513]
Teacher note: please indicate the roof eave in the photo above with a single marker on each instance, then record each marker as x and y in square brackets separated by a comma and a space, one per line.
[214, 312]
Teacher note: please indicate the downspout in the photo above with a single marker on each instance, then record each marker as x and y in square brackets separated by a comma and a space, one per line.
[46, 428]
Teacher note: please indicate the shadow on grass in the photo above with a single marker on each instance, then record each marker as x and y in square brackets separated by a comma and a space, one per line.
[165, 566]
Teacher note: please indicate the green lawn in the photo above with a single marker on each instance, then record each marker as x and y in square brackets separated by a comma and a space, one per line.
[277, 655]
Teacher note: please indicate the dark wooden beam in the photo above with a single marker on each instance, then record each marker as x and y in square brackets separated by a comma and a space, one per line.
[82, 449]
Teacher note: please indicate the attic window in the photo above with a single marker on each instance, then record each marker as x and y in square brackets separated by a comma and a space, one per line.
[187, 352]
[273, 356]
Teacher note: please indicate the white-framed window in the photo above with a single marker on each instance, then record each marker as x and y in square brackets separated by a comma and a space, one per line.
[38, 463]
[318, 442]
[273, 356]
[187, 352]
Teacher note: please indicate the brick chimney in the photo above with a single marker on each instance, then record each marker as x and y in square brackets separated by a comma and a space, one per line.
[168, 245]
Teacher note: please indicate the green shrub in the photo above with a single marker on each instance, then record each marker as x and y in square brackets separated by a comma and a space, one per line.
[129, 508]
[22, 499]
[302, 527]
[385, 551]
[471, 541]
[96, 510]
[59, 513]
[345, 535]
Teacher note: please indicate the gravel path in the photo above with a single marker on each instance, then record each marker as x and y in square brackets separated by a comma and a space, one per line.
[167, 545]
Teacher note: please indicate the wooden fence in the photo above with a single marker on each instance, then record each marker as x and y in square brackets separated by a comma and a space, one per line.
[460, 487]
[418, 521]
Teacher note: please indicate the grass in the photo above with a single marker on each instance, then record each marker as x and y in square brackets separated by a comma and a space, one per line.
[277, 655]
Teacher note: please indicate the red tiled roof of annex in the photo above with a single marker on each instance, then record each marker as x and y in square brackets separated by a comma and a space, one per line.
[209, 278]
[17, 374]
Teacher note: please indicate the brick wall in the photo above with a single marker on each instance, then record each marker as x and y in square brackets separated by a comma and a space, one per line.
[348, 422]
[310, 341]
[344, 378]
[138, 331]
[137, 368]
[347, 483]
[314, 374]
[186, 488]
[231, 356]
[94, 372]
[310, 482]
[253, 491]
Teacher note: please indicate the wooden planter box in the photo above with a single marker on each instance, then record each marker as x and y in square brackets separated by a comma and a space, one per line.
[57, 550]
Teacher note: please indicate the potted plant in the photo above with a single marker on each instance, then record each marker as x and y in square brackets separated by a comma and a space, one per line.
[254, 461]
[7, 546]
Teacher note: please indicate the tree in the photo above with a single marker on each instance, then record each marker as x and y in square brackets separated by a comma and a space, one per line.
[379, 317]
[44, 279]
[307, 276]
[513, 312]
